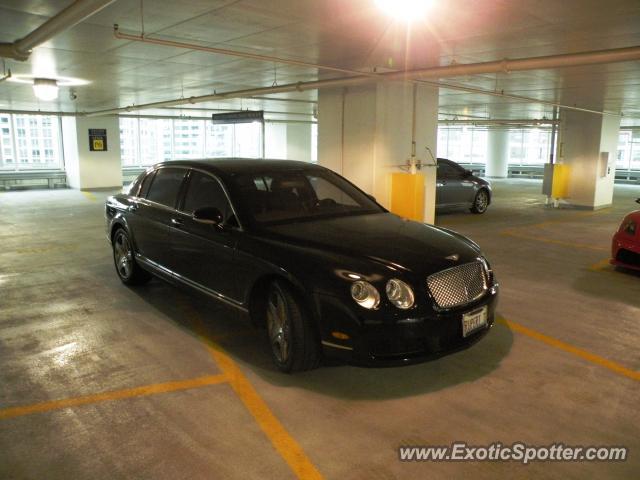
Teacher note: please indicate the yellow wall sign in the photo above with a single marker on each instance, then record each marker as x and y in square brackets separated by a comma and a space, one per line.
[98, 139]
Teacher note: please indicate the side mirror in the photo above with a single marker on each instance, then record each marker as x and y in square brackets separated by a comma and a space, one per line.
[468, 173]
[208, 216]
[638, 200]
[371, 197]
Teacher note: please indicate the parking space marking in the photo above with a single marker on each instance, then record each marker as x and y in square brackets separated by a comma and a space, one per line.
[45, 249]
[89, 196]
[586, 246]
[281, 440]
[142, 391]
[579, 352]
[601, 266]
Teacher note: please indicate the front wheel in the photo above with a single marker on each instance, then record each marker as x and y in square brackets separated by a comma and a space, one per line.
[480, 202]
[128, 270]
[294, 346]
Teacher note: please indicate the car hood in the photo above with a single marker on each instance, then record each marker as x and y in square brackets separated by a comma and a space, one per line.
[383, 238]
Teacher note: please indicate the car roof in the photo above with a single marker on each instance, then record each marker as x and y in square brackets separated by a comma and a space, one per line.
[233, 166]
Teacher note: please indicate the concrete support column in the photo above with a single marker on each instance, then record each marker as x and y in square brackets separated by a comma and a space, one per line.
[589, 147]
[364, 133]
[299, 141]
[86, 169]
[498, 154]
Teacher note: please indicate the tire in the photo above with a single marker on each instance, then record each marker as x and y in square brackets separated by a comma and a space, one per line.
[292, 340]
[480, 201]
[124, 260]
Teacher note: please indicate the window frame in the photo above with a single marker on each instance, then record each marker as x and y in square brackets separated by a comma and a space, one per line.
[180, 188]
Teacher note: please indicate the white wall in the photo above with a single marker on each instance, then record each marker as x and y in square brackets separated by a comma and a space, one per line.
[299, 141]
[275, 135]
[608, 143]
[364, 133]
[585, 136]
[70, 150]
[87, 169]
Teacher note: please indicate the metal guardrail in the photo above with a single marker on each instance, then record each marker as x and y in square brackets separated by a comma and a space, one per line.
[537, 171]
[33, 179]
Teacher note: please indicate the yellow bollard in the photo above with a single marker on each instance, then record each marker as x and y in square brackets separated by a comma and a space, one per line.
[407, 195]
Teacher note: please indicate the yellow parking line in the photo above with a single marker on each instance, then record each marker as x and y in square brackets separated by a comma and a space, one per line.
[113, 395]
[282, 441]
[586, 246]
[600, 266]
[89, 196]
[579, 352]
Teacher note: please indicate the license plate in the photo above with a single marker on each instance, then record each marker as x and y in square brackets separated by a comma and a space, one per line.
[474, 320]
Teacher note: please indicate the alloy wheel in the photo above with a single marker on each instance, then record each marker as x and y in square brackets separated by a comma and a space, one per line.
[482, 201]
[123, 255]
[278, 325]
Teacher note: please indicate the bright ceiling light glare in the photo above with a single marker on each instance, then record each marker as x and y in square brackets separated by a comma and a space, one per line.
[405, 10]
[45, 89]
[61, 81]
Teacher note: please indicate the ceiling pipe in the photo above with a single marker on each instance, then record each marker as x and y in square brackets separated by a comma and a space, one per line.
[67, 18]
[295, 100]
[189, 117]
[204, 109]
[505, 66]
[478, 123]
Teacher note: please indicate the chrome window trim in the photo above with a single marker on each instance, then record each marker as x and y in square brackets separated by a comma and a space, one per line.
[174, 210]
[186, 281]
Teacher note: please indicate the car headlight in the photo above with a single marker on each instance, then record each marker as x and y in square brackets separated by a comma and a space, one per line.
[365, 294]
[400, 294]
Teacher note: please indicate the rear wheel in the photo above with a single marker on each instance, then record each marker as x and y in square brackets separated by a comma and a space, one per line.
[480, 202]
[294, 346]
[128, 270]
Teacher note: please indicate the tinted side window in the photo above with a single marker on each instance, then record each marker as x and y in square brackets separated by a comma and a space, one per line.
[146, 183]
[205, 191]
[446, 170]
[166, 186]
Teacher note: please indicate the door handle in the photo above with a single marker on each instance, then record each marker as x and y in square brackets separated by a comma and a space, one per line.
[176, 222]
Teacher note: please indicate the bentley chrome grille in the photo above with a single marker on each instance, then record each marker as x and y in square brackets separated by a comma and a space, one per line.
[458, 285]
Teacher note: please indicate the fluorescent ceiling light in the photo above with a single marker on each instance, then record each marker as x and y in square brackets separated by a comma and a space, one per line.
[405, 10]
[45, 89]
[61, 81]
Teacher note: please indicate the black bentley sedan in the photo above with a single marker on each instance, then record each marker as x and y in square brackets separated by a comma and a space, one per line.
[307, 254]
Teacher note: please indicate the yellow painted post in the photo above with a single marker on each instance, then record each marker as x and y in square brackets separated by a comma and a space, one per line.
[560, 185]
[407, 195]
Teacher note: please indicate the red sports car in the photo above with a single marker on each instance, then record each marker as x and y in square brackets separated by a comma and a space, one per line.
[625, 248]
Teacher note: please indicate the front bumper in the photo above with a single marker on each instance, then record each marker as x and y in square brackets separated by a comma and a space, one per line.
[416, 338]
[625, 252]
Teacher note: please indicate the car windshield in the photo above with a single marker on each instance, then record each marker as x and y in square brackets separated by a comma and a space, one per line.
[282, 196]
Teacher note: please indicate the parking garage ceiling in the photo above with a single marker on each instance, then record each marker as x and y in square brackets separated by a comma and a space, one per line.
[353, 34]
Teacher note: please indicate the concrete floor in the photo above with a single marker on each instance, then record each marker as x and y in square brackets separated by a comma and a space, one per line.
[98, 380]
